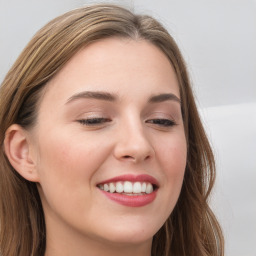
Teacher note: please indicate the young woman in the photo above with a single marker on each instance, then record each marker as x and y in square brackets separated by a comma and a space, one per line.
[103, 151]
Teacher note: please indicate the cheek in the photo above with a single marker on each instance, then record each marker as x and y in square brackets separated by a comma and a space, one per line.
[66, 167]
[68, 155]
[173, 155]
[172, 158]
[67, 177]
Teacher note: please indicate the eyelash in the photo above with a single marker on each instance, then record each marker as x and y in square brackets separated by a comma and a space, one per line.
[162, 122]
[100, 120]
[94, 121]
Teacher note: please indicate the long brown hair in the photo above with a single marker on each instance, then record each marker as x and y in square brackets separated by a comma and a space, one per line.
[192, 228]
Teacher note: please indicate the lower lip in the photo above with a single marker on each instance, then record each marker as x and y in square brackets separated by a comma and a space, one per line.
[131, 201]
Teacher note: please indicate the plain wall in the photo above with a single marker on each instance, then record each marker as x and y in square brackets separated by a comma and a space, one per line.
[218, 41]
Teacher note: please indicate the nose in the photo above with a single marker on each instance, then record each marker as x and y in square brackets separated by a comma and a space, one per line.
[133, 145]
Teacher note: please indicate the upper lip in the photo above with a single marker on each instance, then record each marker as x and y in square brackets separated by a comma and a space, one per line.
[132, 178]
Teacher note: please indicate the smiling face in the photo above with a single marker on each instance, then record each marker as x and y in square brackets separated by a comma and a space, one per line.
[109, 145]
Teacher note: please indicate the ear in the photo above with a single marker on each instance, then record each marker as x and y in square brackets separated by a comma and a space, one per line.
[18, 150]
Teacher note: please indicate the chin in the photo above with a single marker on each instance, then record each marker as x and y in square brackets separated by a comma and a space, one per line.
[130, 235]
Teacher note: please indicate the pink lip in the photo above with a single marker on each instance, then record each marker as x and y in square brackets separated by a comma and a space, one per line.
[132, 201]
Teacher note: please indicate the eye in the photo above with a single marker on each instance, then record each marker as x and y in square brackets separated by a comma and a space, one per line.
[93, 121]
[162, 122]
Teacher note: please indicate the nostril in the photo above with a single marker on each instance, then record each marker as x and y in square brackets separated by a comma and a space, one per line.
[135, 158]
[129, 158]
[133, 152]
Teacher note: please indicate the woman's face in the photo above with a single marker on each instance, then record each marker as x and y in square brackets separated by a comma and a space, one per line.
[110, 121]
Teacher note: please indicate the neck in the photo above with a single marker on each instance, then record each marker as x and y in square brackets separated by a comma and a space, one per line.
[95, 248]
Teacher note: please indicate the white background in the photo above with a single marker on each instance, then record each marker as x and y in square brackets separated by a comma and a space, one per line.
[218, 40]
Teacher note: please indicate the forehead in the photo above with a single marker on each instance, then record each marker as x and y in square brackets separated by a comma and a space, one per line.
[121, 66]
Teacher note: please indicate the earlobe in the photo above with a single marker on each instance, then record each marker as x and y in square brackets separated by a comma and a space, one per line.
[18, 151]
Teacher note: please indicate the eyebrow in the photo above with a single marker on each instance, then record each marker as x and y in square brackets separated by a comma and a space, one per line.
[92, 95]
[98, 95]
[164, 97]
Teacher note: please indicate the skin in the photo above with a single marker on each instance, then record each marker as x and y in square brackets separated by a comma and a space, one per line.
[71, 158]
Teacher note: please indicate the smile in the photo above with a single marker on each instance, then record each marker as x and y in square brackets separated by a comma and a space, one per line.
[128, 187]
[130, 190]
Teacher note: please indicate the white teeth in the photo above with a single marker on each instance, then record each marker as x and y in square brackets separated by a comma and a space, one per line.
[112, 188]
[136, 187]
[127, 187]
[105, 187]
[149, 188]
[143, 187]
[119, 187]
